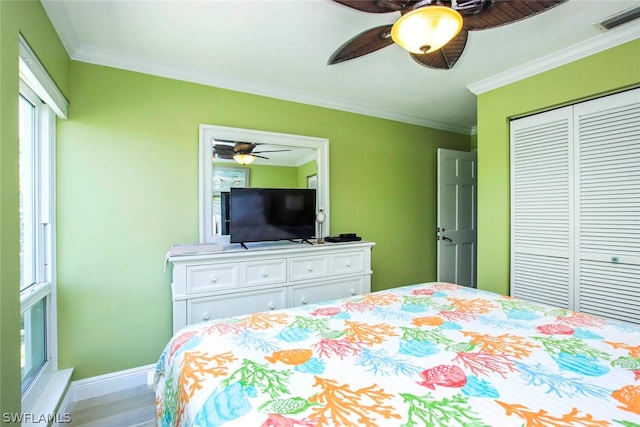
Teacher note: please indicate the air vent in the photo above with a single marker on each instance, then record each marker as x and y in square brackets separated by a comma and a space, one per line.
[620, 18]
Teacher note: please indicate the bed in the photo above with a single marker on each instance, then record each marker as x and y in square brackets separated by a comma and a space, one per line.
[433, 354]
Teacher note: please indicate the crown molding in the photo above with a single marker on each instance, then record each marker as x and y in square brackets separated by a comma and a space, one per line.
[57, 13]
[146, 66]
[599, 43]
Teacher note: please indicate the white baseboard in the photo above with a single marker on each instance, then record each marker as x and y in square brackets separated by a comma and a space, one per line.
[110, 383]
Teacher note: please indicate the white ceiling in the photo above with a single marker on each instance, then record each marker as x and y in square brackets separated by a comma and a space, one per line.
[279, 48]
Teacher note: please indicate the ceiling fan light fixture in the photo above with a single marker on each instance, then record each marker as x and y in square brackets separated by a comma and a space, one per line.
[426, 29]
[244, 159]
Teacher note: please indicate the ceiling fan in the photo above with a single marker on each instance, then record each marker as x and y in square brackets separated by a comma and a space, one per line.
[434, 31]
[242, 152]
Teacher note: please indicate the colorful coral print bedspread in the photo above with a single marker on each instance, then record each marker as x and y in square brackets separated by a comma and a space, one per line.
[424, 355]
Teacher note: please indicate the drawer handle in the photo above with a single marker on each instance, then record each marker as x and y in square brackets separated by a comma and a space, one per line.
[353, 292]
[309, 268]
[265, 273]
[213, 279]
[206, 316]
[303, 300]
[348, 263]
[272, 306]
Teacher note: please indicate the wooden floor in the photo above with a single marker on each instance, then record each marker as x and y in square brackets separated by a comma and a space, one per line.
[127, 408]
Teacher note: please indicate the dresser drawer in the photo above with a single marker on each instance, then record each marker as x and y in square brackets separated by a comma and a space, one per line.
[316, 292]
[265, 272]
[348, 262]
[211, 277]
[303, 268]
[236, 304]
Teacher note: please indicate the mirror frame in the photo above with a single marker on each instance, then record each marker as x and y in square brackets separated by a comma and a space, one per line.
[321, 145]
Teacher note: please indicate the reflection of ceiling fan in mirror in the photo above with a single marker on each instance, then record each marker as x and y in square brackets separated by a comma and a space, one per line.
[241, 152]
[434, 31]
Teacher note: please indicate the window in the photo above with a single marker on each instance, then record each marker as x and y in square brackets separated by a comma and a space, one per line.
[39, 102]
[37, 320]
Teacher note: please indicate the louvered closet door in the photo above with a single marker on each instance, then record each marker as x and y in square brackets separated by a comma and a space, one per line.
[541, 207]
[607, 132]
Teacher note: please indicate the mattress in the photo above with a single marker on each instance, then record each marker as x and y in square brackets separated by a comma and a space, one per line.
[433, 354]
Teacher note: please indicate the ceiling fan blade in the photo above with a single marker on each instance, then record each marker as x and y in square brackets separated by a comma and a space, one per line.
[262, 157]
[269, 151]
[362, 44]
[502, 12]
[222, 142]
[374, 6]
[445, 57]
[222, 149]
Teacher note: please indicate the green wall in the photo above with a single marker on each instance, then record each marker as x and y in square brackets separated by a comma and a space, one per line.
[128, 189]
[304, 171]
[604, 72]
[273, 176]
[268, 176]
[28, 18]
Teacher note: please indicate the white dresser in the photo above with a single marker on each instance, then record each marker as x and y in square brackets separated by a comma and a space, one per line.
[267, 276]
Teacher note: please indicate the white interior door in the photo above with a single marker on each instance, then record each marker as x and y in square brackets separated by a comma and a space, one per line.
[456, 232]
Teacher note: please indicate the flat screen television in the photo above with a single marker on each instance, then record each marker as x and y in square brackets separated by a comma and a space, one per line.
[266, 214]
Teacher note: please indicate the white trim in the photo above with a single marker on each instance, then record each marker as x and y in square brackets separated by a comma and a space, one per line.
[57, 12]
[110, 383]
[48, 178]
[33, 294]
[599, 43]
[43, 163]
[36, 76]
[145, 65]
[54, 398]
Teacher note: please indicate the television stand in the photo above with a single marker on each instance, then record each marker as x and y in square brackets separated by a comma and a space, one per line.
[244, 246]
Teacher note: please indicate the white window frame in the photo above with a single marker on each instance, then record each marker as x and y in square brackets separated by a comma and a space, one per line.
[46, 391]
[44, 286]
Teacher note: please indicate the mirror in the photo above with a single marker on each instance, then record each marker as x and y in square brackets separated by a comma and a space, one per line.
[281, 161]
